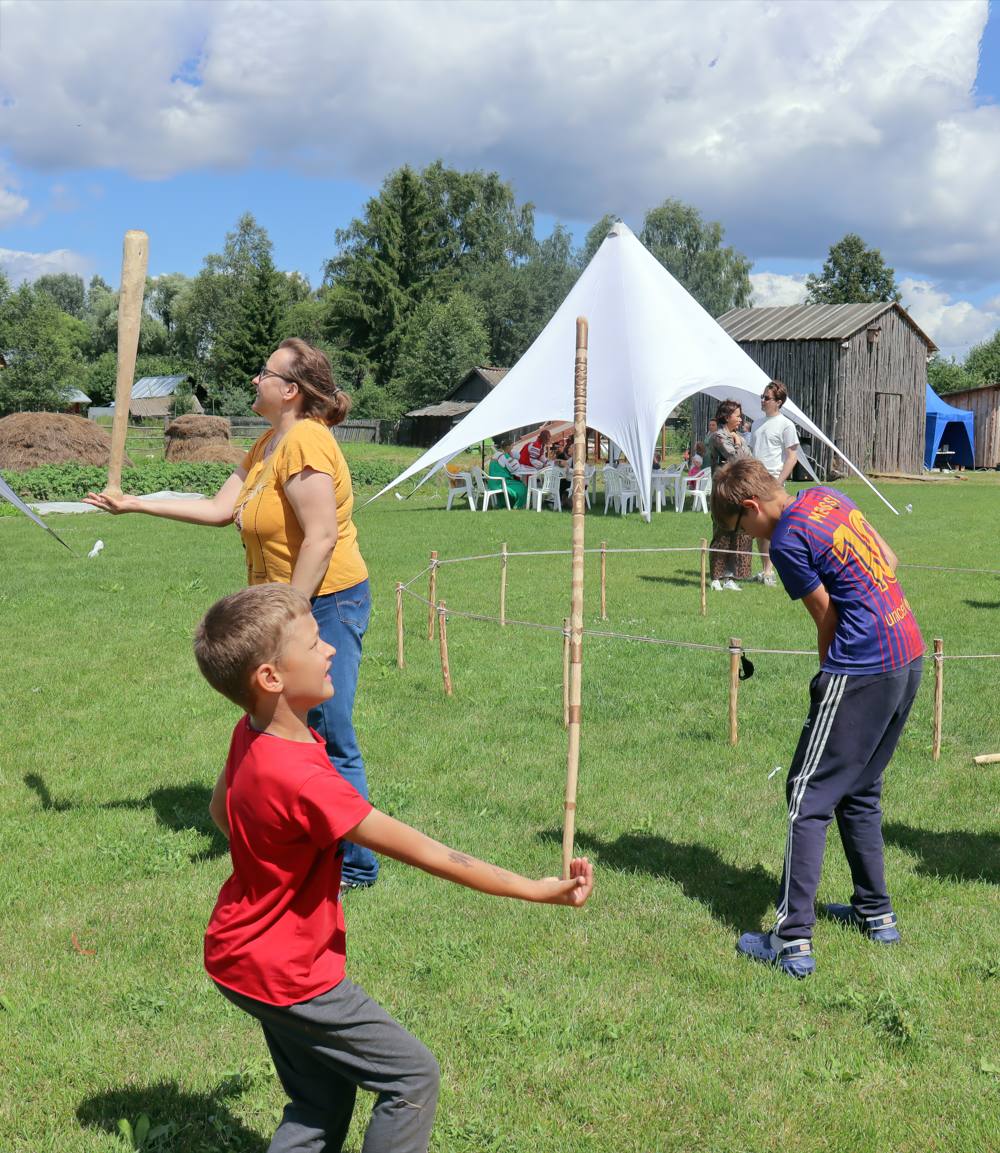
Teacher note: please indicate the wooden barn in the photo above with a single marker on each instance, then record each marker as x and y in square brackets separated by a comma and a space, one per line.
[985, 403]
[858, 370]
[427, 425]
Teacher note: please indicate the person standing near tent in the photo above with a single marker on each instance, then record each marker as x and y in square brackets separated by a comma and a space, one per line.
[775, 443]
[732, 563]
[292, 500]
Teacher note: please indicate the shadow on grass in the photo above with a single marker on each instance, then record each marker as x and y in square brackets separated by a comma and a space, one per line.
[959, 856]
[737, 897]
[684, 582]
[982, 604]
[177, 807]
[195, 1122]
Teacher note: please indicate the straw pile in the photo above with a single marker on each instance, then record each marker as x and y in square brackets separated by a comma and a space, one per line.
[30, 439]
[197, 438]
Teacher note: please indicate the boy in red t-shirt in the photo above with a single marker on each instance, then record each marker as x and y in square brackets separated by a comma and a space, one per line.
[275, 944]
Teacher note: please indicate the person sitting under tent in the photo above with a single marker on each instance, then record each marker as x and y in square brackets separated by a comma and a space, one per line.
[505, 464]
[534, 455]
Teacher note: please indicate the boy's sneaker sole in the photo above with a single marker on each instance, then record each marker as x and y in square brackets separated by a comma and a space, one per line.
[796, 958]
[881, 928]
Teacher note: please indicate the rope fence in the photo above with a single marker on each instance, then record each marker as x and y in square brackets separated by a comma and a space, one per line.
[438, 613]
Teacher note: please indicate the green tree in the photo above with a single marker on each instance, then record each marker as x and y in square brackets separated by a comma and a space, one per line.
[983, 361]
[46, 347]
[66, 289]
[595, 238]
[947, 375]
[691, 250]
[248, 337]
[852, 274]
[443, 340]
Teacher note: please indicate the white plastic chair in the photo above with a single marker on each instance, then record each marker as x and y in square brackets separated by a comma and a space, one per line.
[663, 484]
[489, 488]
[548, 488]
[698, 492]
[589, 472]
[619, 491]
[460, 485]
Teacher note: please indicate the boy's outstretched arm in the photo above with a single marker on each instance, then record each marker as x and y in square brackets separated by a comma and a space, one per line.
[384, 834]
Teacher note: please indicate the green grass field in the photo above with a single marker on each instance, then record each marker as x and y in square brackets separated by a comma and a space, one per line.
[628, 1026]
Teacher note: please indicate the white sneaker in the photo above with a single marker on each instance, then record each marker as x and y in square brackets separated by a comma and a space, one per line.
[769, 580]
[717, 586]
[732, 586]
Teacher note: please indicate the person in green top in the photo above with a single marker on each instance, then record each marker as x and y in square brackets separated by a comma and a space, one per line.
[505, 464]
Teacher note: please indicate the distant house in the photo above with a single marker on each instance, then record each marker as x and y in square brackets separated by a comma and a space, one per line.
[858, 370]
[985, 403]
[430, 423]
[76, 401]
[154, 396]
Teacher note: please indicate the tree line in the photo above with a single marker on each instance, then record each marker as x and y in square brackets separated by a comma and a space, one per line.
[441, 271]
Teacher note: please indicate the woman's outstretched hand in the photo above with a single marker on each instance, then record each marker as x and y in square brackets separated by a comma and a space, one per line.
[113, 504]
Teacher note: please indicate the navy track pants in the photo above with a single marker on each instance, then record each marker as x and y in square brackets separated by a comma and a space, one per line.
[849, 737]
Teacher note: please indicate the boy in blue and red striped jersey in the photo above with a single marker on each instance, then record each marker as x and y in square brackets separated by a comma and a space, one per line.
[871, 654]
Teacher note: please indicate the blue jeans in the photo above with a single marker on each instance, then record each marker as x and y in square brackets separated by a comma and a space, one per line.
[342, 619]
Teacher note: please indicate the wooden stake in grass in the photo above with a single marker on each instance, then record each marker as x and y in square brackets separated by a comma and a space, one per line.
[503, 584]
[443, 637]
[938, 695]
[576, 596]
[604, 580]
[399, 626]
[987, 759]
[704, 574]
[432, 596]
[566, 632]
[735, 648]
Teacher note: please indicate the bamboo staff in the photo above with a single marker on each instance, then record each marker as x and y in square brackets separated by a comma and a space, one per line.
[443, 637]
[938, 695]
[432, 596]
[704, 574]
[604, 580]
[576, 598]
[503, 585]
[399, 626]
[987, 759]
[566, 632]
[735, 648]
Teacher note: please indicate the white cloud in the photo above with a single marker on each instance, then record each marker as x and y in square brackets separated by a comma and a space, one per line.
[953, 325]
[790, 123]
[775, 289]
[21, 266]
[12, 204]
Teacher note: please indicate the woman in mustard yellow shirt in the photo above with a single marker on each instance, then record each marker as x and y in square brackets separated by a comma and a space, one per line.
[291, 499]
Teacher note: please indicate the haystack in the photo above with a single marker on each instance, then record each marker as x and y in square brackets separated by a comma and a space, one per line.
[191, 437]
[30, 439]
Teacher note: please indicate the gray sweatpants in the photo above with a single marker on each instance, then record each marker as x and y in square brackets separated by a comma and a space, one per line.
[324, 1050]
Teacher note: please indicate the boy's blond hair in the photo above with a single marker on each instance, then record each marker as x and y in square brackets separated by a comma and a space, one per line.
[243, 631]
[740, 480]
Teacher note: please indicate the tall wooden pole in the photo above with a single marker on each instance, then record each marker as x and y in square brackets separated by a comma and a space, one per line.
[432, 596]
[576, 598]
[938, 696]
[399, 626]
[503, 584]
[566, 635]
[704, 574]
[443, 639]
[735, 648]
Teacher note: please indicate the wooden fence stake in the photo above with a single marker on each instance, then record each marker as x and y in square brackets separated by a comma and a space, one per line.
[432, 596]
[503, 585]
[938, 695]
[604, 580]
[566, 635]
[399, 626]
[443, 637]
[735, 648]
[987, 759]
[576, 595]
[704, 573]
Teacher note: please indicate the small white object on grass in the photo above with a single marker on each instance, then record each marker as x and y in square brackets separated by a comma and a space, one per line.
[909, 508]
[98, 545]
[774, 772]
[398, 495]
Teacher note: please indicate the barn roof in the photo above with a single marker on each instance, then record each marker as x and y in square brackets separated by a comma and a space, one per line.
[75, 396]
[154, 386]
[445, 408]
[811, 321]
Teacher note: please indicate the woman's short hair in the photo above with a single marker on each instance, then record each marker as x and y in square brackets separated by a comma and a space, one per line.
[322, 398]
[725, 411]
[243, 631]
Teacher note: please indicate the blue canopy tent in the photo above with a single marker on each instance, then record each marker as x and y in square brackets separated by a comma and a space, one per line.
[947, 425]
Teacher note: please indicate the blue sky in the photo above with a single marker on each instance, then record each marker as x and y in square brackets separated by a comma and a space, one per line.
[292, 112]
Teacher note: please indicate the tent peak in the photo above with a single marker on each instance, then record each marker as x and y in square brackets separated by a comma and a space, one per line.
[619, 228]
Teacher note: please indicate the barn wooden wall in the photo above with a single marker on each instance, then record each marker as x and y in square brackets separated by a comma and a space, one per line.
[985, 404]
